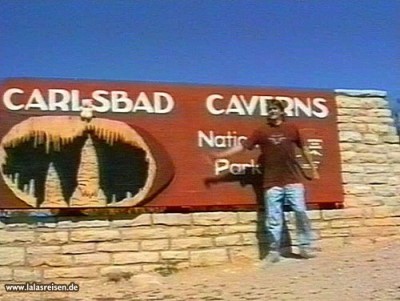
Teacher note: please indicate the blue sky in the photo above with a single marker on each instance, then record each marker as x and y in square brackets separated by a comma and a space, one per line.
[325, 44]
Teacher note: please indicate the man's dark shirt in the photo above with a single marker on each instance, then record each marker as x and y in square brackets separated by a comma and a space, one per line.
[277, 146]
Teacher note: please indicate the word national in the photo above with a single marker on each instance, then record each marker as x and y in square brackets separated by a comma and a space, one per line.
[210, 139]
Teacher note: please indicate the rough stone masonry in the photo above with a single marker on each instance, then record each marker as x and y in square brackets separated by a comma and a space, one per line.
[66, 249]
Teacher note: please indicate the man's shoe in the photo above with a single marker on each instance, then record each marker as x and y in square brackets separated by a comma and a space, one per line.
[306, 253]
[273, 257]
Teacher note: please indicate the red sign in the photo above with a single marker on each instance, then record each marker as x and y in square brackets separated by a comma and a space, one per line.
[77, 144]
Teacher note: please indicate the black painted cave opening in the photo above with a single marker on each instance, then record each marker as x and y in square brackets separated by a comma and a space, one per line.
[122, 167]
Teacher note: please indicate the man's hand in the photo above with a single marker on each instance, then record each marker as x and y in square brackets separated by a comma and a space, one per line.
[315, 174]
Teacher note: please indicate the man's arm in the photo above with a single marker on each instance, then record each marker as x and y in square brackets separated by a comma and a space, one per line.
[229, 152]
[307, 156]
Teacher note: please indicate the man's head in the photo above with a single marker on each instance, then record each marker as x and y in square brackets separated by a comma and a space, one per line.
[276, 111]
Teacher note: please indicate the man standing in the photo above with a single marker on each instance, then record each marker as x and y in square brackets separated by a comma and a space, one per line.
[277, 140]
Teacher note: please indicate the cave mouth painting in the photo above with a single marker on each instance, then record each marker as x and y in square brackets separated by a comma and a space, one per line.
[63, 161]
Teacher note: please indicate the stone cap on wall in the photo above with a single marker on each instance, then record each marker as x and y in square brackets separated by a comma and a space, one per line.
[361, 93]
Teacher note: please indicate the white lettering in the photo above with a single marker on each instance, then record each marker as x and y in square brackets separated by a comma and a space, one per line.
[319, 103]
[120, 102]
[36, 101]
[221, 141]
[159, 99]
[210, 104]
[143, 104]
[224, 165]
[59, 99]
[7, 99]
[99, 96]
[257, 105]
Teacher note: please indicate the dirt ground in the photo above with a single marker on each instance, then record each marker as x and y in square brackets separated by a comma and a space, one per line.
[350, 273]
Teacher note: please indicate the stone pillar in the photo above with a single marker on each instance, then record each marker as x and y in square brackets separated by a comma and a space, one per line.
[53, 196]
[370, 149]
[88, 192]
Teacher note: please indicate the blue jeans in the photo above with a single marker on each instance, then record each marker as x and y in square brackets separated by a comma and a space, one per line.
[274, 199]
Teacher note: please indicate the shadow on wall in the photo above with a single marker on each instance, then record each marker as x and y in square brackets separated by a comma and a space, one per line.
[255, 181]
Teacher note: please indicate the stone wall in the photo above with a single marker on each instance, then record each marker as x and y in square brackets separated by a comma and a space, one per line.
[81, 248]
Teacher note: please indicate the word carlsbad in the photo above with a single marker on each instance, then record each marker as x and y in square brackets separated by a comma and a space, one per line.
[217, 104]
[16, 99]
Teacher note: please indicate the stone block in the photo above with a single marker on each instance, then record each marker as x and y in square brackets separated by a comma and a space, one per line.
[352, 168]
[318, 225]
[394, 180]
[23, 274]
[386, 120]
[394, 157]
[172, 219]
[346, 102]
[140, 220]
[344, 119]
[52, 238]
[152, 233]
[346, 223]
[208, 257]
[349, 157]
[380, 113]
[6, 273]
[17, 226]
[55, 260]
[389, 221]
[71, 272]
[243, 254]
[375, 231]
[376, 179]
[350, 136]
[385, 191]
[390, 139]
[206, 230]
[373, 139]
[371, 120]
[118, 246]
[375, 103]
[346, 146]
[347, 112]
[339, 232]
[371, 201]
[377, 168]
[10, 237]
[386, 211]
[42, 250]
[191, 243]
[90, 224]
[94, 235]
[135, 257]
[350, 178]
[374, 158]
[378, 128]
[215, 218]
[358, 189]
[154, 245]
[12, 256]
[349, 213]
[249, 239]
[240, 229]
[79, 248]
[120, 272]
[228, 240]
[175, 255]
[247, 217]
[92, 259]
